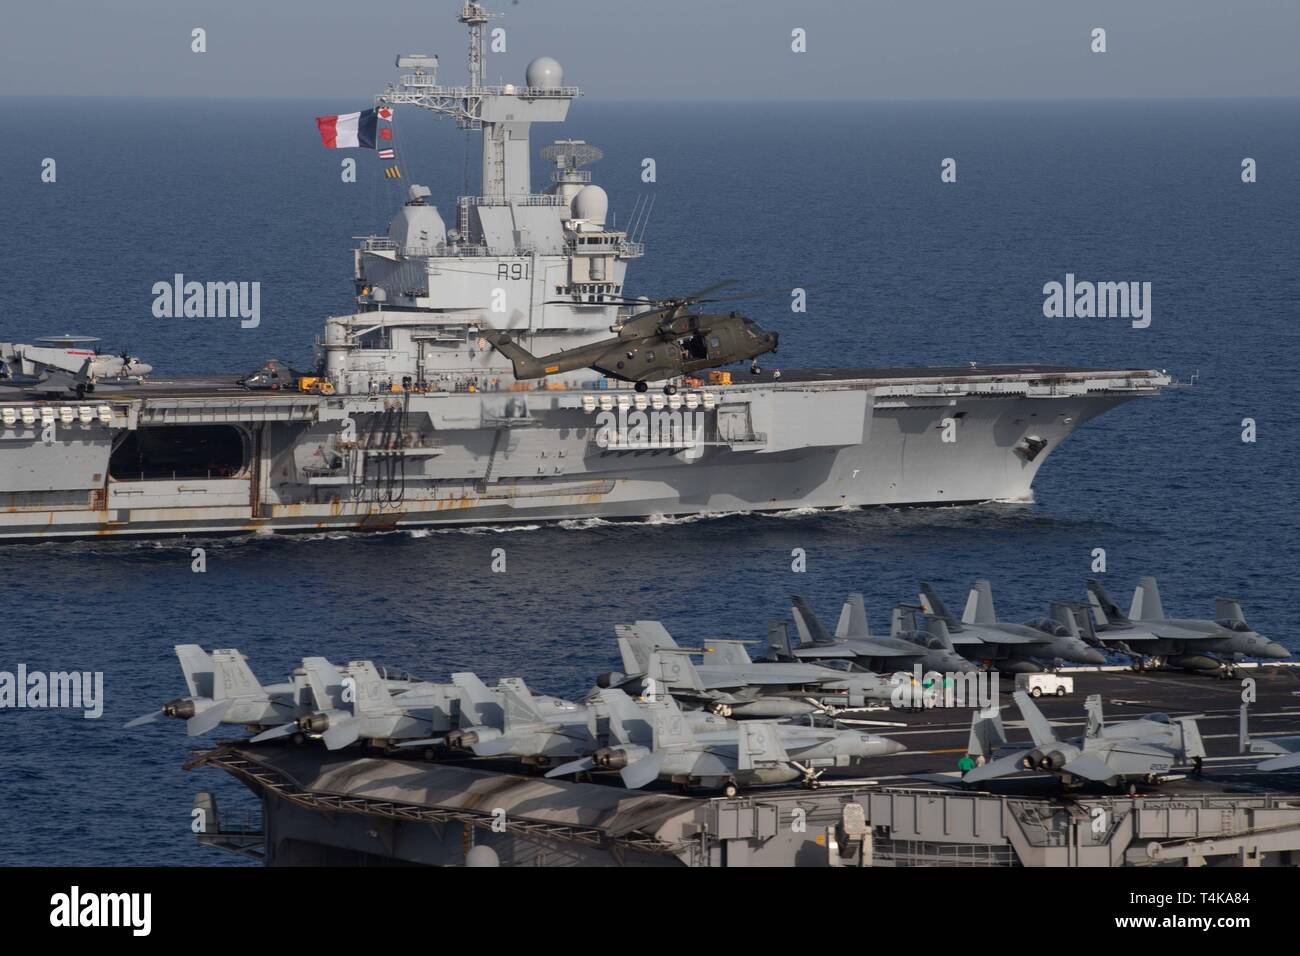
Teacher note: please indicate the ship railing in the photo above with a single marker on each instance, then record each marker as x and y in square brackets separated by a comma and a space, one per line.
[427, 84]
[571, 176]
[532, 199]
[459, 249]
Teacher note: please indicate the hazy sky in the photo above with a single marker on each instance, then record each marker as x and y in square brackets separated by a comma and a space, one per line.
[665, 49]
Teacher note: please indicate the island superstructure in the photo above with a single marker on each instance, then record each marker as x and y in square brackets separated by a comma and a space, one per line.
[414, 419]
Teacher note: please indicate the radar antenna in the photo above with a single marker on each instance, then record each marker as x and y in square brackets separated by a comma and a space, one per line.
[571, 153]
[474, 15]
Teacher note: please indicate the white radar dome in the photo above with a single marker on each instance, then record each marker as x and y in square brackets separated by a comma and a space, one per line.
[591, 204]
[545, 73]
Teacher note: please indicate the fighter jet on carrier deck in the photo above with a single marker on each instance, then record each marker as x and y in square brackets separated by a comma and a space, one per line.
[729, 680]
[1124, 753]
[653, 741]
[1197, 645]
[1283, 752]
[1014, 648]
[355, 703]
[854, 641]
[224, 690]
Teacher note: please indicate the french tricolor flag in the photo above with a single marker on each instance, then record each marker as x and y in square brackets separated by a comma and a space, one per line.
[348, 130]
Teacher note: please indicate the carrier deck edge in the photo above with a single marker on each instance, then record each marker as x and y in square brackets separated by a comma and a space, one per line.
[320, 808]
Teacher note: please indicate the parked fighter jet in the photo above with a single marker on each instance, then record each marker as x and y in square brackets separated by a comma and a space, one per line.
[1014, 648]
[1284, 752]
[51, 382]
[355, 703]
[730, 682]
[224, 690]
[1198, 645]
[1126, 752]
[853, 641]
[509, 720]
[655, 742]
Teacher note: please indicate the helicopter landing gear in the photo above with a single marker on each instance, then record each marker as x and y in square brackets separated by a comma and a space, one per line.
[641, 386]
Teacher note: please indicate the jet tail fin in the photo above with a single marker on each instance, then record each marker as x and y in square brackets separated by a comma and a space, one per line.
[669, 671]
[811, 624]
[670, 728]
[1040, 728]
[1096, 719]
[370, 693]
[196, 664]
[1229, 609]
[633, 654]
[758, 745]
[979, 605]
[627, 721]
[937, 628]
[1075, 620]
[520, 708]
[987, 734]
[637, 641]
[933, 604]
[1146, 601]
[1193, 745]
[728, 652]
[478, 705]
[1104, 610]
[898, 621]
[325, 682]
[232, 677]
[778, 641]
[853, 619]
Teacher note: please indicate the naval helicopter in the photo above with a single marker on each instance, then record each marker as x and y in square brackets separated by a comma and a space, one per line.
[662, 342]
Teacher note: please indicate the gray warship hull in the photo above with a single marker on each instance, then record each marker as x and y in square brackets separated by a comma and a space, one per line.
[418, 419]
[203, 457]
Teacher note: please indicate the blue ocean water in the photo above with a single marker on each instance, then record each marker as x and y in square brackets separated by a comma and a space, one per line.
[845, 200]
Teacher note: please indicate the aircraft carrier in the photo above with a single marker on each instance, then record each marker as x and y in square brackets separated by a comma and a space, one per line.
[346, 808]
[414, 419]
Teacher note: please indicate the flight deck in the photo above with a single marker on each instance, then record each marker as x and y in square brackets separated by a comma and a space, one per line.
[906, 809]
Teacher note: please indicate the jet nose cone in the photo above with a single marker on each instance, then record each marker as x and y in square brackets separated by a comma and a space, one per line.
[1094, 656]
[891, 746]
[1275, 651]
